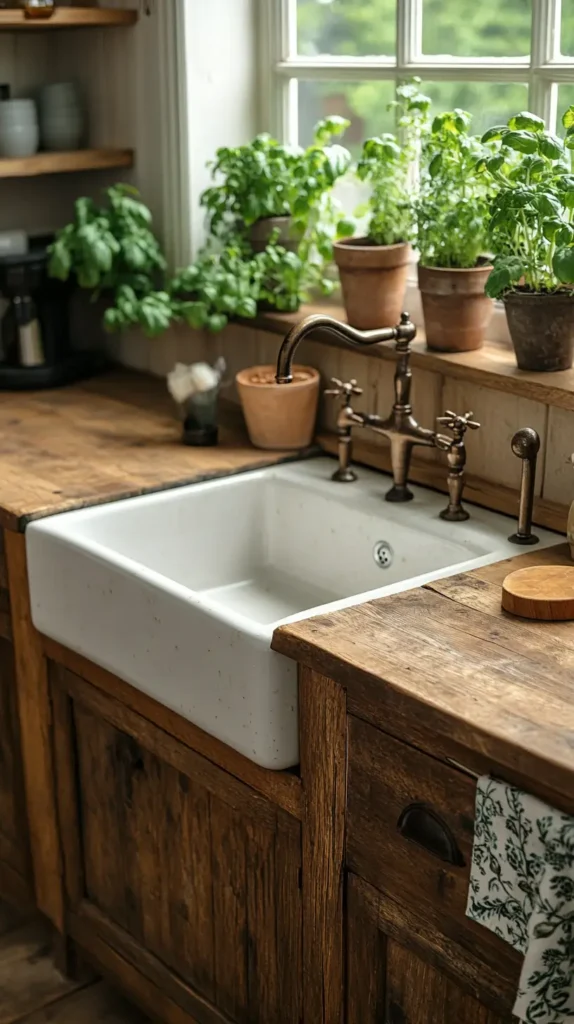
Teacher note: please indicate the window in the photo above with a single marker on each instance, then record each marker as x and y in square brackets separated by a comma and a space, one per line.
[491, 57]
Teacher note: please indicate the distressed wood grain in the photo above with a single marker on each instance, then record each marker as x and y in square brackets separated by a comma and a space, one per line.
[322, 724]
[112, 437]
[425, 665]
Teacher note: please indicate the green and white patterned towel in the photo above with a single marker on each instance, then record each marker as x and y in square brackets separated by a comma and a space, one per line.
[522, 888]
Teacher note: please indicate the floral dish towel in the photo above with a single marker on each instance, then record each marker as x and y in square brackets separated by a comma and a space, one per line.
[522, 888]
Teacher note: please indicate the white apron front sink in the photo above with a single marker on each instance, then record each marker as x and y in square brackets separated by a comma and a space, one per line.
[179, 592]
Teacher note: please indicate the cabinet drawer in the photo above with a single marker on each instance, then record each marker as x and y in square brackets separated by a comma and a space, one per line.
[409, 833]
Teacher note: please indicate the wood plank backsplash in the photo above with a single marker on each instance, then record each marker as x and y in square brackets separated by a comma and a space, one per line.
[500, 413]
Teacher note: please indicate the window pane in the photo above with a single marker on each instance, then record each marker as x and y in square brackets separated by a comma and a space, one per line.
[567, 41]
[488, 103]
[364, 103]
[354, 28]
[487, 28]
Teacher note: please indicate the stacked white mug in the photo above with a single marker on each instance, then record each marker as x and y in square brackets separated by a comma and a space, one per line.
[61, 116]
[19, 132]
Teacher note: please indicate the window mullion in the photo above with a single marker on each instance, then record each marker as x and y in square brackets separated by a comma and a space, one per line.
[409, 32]
[544, 46]
[276, 94]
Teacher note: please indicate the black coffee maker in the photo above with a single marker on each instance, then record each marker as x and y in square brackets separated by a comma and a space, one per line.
[35, 350]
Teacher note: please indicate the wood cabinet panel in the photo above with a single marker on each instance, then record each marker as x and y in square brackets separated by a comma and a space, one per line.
[207, 885]
[13, 832]
[417, 994]
[409, 858]
[399, 970]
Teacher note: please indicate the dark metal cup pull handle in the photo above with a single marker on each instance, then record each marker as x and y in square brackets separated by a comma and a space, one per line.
[421, 825]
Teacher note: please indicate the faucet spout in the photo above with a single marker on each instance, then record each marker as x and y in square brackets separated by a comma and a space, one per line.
[402, 334]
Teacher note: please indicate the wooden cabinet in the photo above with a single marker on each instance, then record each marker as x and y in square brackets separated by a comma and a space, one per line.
[182, 882]
[413, 955]
[15, 871]
[400, 972]
[14, 856]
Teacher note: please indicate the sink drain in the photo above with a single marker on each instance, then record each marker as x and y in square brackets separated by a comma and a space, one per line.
[383, 554]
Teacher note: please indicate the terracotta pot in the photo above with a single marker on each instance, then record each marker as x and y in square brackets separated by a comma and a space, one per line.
[261, 231]
[279, 417]
[455, 307]
[542, 329]
[373, 279]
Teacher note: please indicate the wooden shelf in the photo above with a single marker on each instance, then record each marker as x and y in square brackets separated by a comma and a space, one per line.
[68, 17]
[66, 163]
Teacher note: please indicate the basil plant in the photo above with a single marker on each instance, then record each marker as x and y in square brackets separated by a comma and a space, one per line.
[532, 210]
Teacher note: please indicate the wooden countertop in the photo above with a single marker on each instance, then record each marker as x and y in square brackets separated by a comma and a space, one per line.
[445, 658]
[111, 437]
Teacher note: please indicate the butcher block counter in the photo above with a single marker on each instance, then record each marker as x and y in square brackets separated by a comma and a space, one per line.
[446, 658]
[100, 440]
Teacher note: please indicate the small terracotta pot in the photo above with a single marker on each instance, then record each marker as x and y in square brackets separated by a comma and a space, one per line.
[260, 232]
[455, 307]
[542, 329]
[279, 417]
[373, 279]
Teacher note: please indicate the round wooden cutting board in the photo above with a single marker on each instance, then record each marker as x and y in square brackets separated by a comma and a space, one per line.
[544, 592]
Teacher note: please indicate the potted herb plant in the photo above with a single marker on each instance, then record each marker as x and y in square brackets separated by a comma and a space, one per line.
[105, 247]
[267, 192]
[373, 268]
[452, 235]
[531, 225]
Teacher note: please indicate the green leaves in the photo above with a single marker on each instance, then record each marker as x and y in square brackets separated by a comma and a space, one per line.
[521, 141]
[563, 264]
[498, 131]
[568, 119]
[452, 206]
[550, 145]
[506, 272]
[494, 163]
[112, 247]
[329, 127]
[267, 179]
[435, 165]
[345, 227]
[527, 122]
[385, 166]
[531, 206]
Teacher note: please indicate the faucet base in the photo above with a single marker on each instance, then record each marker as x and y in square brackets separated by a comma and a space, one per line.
[524, 538]
[456, 514]
[399, 492]
[344, 475]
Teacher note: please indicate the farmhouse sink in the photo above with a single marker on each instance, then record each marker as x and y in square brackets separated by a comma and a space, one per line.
[179, 592]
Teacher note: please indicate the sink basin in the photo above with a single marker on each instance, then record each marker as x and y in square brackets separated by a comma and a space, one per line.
[179, 592]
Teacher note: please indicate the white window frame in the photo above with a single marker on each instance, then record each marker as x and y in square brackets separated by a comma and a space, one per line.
[282, 67]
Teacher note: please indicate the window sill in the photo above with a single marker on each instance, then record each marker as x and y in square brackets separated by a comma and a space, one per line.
[492, 366]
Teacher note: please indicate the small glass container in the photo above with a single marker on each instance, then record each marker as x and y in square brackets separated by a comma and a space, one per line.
[199, 414]
[39, 8]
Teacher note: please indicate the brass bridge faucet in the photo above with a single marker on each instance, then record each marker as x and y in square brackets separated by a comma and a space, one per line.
[400, 427]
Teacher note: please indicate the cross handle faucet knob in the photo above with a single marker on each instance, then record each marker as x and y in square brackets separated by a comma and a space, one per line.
[458, 425]
[344, 390]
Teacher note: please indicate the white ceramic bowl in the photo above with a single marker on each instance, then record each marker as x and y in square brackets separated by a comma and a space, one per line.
[62, 134]
[17, 141]
[18, 112]
[59, 98]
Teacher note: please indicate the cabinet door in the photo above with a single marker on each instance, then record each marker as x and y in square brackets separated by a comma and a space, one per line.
[14, 855]
[186, 872]
[400, 972]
